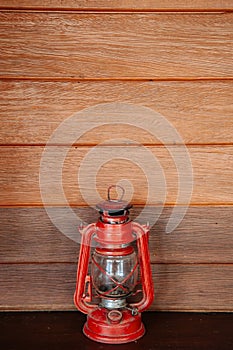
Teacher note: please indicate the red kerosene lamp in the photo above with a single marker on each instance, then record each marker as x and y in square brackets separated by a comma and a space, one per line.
[116, 272]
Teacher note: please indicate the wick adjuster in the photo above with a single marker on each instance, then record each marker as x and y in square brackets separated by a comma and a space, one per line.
[122, 193]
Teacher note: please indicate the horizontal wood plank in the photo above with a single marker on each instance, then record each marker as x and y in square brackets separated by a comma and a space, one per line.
[102, 166]
[200, 111]
[177, 287]
[118, 5]
[86, 46]
[204, 236]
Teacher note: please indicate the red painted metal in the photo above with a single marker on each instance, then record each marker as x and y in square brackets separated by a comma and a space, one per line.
[142, 233]
[115, 252]
[114, 233]
[101, 328]
[81, 299]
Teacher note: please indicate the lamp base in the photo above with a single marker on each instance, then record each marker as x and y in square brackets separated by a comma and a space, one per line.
[113, 326]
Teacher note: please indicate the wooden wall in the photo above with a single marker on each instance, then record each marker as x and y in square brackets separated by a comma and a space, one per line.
[58, 57]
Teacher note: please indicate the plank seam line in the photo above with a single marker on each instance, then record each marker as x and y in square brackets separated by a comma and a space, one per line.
[115, 79]
[136, 205]
[115, 11]
[88, 145]
[212, 264]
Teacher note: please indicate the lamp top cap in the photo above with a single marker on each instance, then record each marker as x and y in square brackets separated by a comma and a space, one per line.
[111, 206]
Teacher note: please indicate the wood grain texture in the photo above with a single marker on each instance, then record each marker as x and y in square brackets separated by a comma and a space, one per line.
[84, 46]
[30, 111]
[204, 236]
[177, 287]
[118, 5]
[59, 57]
[20, 167]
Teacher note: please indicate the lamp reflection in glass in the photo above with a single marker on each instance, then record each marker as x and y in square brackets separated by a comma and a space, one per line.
[118, 272]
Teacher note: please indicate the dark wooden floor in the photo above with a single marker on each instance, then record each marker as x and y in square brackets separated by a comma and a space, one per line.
[63, 330]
